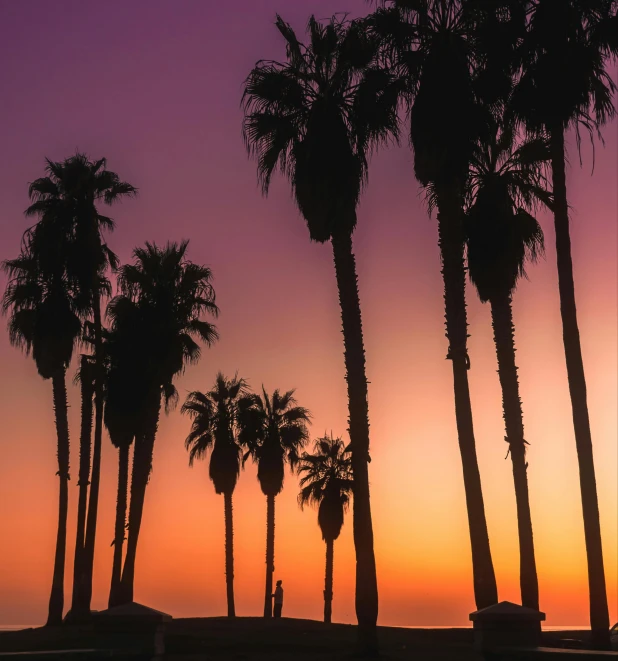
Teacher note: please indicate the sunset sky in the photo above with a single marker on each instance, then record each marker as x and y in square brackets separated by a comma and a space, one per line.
[155, 87]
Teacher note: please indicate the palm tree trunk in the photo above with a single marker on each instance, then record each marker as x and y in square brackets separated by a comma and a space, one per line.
[142, 465]
[93, 501]
[121, 516]
[354, 354]
[56, 599]
[502, 320]
[328, 581]
[85, 446]
[599, 613]
[229, 553]
[270, 556]
[451, 241]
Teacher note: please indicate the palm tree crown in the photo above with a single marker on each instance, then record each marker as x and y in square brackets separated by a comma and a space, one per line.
[274, 430]
[45, 315]
[316, 116]
[506, 179]
[214, 429]
[326, 482]
[564, 56]
[169, 295]
[65, 201]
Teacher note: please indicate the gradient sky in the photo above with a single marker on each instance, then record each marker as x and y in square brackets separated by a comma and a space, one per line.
[155, 87]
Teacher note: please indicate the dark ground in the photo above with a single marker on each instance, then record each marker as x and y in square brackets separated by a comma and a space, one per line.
[255, 639]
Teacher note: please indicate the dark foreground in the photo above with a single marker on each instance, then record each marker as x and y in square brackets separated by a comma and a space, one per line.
[255, 639]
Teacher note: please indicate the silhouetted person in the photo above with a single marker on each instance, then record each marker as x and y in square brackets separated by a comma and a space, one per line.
[278, 600]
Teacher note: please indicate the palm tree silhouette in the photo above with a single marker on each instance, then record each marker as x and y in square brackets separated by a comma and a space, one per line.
[45, 321]
[65, 201]
[86, 377]
[506, 179]
[327, 482]
[170, 294]
[434, 47]
[564, 83]
[274, 430]
[315, 117]
[125, 397]
[214, 429]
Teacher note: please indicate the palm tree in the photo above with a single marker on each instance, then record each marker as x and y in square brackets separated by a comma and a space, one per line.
[44, 320]
[170, 295]
[124, 401]
[564, 83]
[65, 201]
[274, 430]
[214, 429]
[506, 179]
[327, 482]
[86, 378]
[433, 45]
[315, 117]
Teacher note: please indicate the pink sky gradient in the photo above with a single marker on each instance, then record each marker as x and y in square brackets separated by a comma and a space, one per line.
[155, 87]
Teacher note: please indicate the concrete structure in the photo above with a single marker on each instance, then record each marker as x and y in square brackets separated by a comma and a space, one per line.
[506, 625]
[145, 625]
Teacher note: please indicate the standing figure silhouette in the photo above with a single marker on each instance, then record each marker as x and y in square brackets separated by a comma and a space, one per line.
[278, 600]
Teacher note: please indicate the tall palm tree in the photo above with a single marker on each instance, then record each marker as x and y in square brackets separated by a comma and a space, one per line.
[315, 117]
[327, 482]
[66, 202]
[171, 294]
[86, 378]
[433, 44]
[506, 180]
[214, 429]
[274, 430]
[124, 402]
[45, 321]
[565, 83]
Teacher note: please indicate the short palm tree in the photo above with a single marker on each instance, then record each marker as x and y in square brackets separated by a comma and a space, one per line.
[171, 294]
[66, 203]
[434, 48]
[214, 429]
[315, 117]
[506, 180]
[326, 481]
[45, 321]
[274, 430]
[565, 83]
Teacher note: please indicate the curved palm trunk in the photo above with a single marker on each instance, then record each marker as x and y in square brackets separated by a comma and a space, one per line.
[229, 554]
[142, 465]
[85, 446]
[502, 320]
[93, 501]
[599, 613]
[354, 354]
[451, 241]
[121, 516]
[328, 581]
[56, 599]
[270, 556]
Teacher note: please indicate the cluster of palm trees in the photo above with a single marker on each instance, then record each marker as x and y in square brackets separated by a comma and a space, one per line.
[231, 424]
[229, 420]
[487, 91]
[53, 298]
